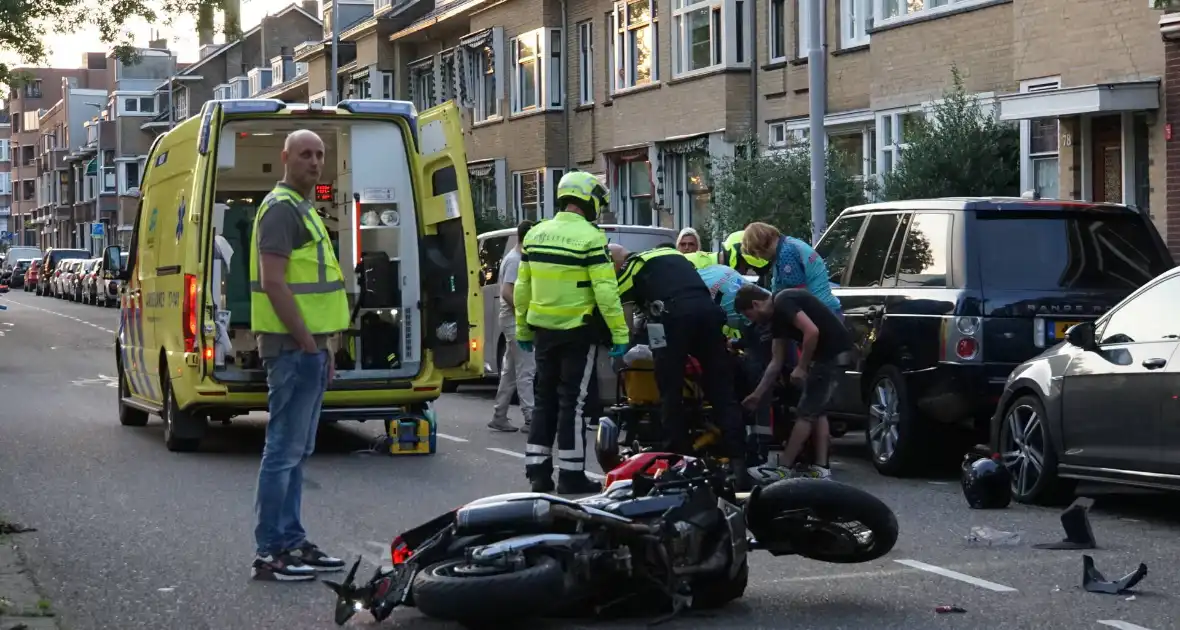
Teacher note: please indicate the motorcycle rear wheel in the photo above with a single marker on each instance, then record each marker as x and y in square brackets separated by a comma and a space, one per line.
[823, 520]
[455, 591]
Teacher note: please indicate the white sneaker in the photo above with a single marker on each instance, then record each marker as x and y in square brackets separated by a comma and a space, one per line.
[766, 475]
[819, 472]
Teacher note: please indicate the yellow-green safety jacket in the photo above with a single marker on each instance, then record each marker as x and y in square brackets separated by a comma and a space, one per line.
[313, 273]
[731, 251]
[565, 276]
[702, 259]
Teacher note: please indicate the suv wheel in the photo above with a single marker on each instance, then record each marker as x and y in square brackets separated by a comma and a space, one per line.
[128, 416]
[178, 423]
[893, 434]
[1028, 454]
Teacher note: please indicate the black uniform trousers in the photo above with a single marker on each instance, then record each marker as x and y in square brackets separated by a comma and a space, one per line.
[693, 326]
[561, 389]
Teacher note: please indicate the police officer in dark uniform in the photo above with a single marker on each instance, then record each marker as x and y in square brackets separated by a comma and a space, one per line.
[683, 319]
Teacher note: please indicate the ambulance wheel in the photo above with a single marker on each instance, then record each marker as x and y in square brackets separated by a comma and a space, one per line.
[182, 429]
[128, 416]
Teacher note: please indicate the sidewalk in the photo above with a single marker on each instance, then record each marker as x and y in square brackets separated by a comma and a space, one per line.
[22, 607]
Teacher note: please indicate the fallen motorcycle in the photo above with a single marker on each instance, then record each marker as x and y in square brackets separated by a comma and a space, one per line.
[668, 534]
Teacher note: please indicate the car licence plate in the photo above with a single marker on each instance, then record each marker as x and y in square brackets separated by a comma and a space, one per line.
[1059, 329]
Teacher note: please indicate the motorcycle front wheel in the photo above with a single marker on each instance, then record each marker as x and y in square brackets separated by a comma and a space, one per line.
[822, 520]
[456, 590]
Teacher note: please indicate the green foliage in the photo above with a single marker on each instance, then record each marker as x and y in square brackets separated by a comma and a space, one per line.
[24, 24]
[775, 187]
[957, 149]
[489, 219]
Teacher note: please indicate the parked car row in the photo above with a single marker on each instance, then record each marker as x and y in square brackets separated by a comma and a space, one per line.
[75, 275]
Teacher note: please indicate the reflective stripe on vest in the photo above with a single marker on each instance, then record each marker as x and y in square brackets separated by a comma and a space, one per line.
[322, 302]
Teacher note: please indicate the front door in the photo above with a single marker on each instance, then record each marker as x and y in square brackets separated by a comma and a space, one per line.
[1107, 137]
[1113, 397]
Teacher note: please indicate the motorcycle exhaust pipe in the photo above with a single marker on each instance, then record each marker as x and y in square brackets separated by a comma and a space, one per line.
[565, 511]
[503, 515]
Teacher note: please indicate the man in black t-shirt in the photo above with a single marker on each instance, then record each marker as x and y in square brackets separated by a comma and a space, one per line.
[796, 314]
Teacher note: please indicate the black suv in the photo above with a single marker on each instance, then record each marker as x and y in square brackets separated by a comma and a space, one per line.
[946, 296]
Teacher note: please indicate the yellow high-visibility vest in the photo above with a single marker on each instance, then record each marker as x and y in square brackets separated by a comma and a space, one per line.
[313, 273]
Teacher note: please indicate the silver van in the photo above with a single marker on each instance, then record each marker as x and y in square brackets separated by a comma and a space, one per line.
[493, 246]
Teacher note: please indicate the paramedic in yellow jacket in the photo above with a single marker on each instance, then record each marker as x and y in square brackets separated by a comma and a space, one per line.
[567, 304]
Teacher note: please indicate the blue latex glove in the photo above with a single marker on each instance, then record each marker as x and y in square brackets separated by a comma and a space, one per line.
[618, 350]
[527, 346]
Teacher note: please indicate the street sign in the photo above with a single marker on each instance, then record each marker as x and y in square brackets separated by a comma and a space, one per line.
[96, 229]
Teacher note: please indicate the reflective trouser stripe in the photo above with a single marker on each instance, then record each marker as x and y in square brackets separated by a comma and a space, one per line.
[575, 459]
[535, 454]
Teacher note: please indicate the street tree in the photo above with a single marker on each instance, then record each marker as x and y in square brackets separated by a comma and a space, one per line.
[959, 148]
[774, 186]
[24, 24]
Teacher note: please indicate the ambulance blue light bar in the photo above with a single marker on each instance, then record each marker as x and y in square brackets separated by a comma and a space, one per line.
[369, 106]
[253, 106]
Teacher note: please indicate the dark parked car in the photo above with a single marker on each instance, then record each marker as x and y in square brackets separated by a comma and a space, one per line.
[1100, 406]
[49, 262]
[17, 279]
[945, 297]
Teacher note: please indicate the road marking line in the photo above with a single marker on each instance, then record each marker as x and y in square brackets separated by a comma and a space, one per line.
[1121, 625]
[64, 316]
[844, 576]
[451, 437]
[955, 575]
[504, 451]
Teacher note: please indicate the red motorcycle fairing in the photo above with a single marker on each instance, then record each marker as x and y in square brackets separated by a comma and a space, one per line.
[645, 463]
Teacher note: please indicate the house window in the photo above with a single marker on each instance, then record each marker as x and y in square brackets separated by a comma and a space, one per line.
[707, 33]
[131, 175]
[526, 72]
[182, 104]
[386, 85]
[147, 104]
[858, 143]
[4, 151]
[131, 105]
[778, 30]
[529, 188]
[892, 130]
[485, 193]
[904, 10]
[689, 190]
[32, 89]
[536, 70]
[789, 134]
[856, 17]
[319, 99]
[300, 68]
[481, 68]
[632, 187]
[359, 87]
[586, 63]
[636, 31]
[422, 84]
[1039, 158]
[5, 183]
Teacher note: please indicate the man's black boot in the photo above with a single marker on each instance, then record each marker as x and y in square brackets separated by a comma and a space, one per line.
[540, 477]
[576, 482]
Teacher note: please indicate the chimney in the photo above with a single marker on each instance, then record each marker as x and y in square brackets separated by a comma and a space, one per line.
[158, 44]
[204, 26]
[232, 10]
[311, 6]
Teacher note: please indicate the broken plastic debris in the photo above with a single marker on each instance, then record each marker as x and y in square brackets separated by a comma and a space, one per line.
[949, 609]
[167, 589]
[1076, 522]
[1130, 599]
[984, 536]
[1094, 582]
[14, 528]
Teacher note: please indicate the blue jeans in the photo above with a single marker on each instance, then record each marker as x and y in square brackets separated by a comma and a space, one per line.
[297, 381]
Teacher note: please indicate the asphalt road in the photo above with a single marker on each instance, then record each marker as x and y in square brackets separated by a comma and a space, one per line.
[131, 536]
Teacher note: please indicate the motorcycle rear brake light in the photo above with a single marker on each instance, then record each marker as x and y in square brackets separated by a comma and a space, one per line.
[399, 552]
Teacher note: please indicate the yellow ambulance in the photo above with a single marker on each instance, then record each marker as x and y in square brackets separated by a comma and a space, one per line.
[394, 197]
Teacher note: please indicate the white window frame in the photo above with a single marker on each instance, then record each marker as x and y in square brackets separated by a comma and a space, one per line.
[544, 207]
[868, 145]
[624, 73]
[5, 183]
[902, 12]
[223, 92]
[123, 164]
[476, 66]
[788, 134]
[1027, 158]
[547, 70]
[856, 18]
[895, 148]
[422, 78]
[586, 62]
[5, 150]
[320, 98]
[725, 17]
[776, 11]
[622, 202]
[501, 181]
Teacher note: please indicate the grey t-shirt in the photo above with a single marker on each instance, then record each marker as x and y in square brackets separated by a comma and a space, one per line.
[280, 232]
[509, 267]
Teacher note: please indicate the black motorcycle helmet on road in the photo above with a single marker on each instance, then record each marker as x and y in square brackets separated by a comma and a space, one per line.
[987, 485]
